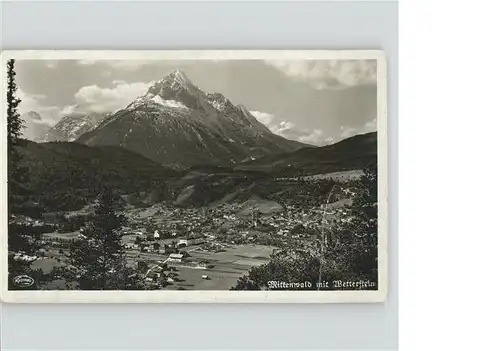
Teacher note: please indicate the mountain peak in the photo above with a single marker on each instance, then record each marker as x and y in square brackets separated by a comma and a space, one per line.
[177, 123]
[73, 125]
[177, 76]
[172, 84]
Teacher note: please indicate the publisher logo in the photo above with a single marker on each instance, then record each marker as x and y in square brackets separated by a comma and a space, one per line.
[23, 281]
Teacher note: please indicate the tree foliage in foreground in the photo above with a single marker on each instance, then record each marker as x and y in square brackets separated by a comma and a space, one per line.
[349, 251]
[14, 133]
[98, 260]
[23, 237]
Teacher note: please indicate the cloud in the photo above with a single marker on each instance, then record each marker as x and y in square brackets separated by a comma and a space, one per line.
[335, 74]
[93, 98]
[349, 131]
[35, 102]
[127, 65]
[283, 128]
[263, 117]
[28, 100]
[279, 127]
[314, 137]
[118, 82]
[288, 129]
[330, 140]
[37, 123]
[346, 132]
[370, 126]
[88, 99]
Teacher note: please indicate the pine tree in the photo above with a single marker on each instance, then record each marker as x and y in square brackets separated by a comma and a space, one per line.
[364, 227]
[350, 250]
[14, 121]
[16, 240]
[14, 133]
[23, 236]
[99, 259]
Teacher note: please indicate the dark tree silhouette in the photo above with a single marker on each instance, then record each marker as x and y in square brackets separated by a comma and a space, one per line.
[353, 245]
[14, 121]
[14, 133]
[23, 235]
[99, 259]
[349, 251]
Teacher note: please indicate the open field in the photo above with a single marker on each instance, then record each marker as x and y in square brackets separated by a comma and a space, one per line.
[228, 267]
[342, 176]
[66, 236]
[45, 264]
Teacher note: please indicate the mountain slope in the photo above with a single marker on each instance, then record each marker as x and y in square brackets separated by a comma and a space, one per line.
[177, 124]
[70, 127]
[64, 174]
[210, 186]
[352, 153]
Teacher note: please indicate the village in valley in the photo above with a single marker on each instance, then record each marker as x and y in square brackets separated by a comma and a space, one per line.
[195, 248]
[178, 188]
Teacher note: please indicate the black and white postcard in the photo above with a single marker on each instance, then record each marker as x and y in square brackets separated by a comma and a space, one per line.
[194, 176]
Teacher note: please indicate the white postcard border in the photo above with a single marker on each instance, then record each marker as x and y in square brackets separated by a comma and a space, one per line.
[210, 296]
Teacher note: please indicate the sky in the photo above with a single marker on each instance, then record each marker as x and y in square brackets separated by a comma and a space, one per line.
[313, 101]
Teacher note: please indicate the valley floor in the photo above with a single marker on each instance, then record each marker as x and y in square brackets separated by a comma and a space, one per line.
[224, 267]
[218, 244]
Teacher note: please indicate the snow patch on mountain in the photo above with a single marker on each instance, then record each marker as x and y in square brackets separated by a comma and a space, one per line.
[151, 98]
[71, 127]
[168, 103]
[176, 123]
[180, 76]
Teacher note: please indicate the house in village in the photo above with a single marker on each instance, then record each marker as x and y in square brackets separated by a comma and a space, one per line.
[131, 246]
[191, 241]
[175, 257]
